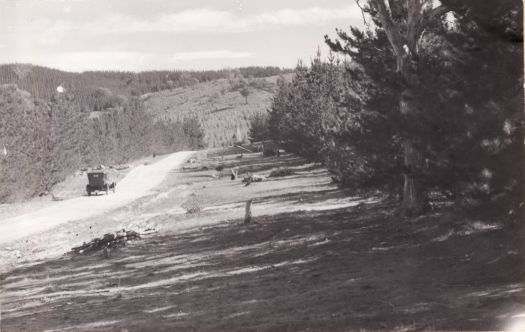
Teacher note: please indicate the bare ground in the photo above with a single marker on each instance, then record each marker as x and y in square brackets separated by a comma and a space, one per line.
[73, 186]
[313, 259]
[138, 183]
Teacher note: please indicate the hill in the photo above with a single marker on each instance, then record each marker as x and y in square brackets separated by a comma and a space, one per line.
[47, 132]
[222, 110]
[42, 82]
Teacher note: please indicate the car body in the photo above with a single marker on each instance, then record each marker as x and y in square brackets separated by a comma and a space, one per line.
[98, 181]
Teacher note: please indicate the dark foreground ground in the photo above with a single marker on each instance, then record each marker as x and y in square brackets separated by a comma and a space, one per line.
[360, 268]
[332, 271]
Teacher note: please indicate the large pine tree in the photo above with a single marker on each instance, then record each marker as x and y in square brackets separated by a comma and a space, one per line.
[448, 91]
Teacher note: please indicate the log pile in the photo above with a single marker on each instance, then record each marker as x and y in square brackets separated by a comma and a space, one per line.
[117, 240]
[252, 178]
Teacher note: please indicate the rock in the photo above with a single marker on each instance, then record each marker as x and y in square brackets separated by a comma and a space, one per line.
[55, 198]
[257, 178]
[252, 178]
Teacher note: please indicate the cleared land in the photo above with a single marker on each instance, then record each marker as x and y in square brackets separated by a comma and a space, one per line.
[221, 109]
[314, 257]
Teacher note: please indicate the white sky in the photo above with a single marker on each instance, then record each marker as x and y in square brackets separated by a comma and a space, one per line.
[79, 35]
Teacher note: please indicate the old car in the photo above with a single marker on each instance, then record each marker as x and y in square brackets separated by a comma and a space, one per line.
[98, 181]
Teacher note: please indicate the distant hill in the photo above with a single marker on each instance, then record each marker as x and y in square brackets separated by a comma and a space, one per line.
[42, 82]
[219, 105]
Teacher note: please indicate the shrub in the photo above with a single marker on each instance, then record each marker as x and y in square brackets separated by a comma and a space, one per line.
[281, 172]
[193, 205]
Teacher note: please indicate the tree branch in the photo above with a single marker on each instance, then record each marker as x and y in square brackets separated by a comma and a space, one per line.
[437, 12]
[414, 23]
[396, 8]
[394, 37]
[362, 13]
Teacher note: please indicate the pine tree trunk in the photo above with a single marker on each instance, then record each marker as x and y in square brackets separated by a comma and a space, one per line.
[403, 40]
[413, 200]
[248, 212]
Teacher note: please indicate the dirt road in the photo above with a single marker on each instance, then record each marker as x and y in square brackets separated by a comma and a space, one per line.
[140, 181]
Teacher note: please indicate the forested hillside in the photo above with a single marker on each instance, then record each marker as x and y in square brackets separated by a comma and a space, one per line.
[42, 82]
[224, 107]
[43, 141]
[53, 122]
[428, 113]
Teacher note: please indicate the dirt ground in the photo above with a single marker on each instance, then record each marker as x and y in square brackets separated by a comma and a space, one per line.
[73, 186]
[138, 183]
[314, 258]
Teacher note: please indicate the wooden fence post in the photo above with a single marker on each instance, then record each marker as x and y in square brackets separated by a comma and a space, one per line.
[248, 212]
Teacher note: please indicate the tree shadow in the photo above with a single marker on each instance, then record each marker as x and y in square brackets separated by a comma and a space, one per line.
[342, 269]
[312, 196]
[255, 164]
[218, 110]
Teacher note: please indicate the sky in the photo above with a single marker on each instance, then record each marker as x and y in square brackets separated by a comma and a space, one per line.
[138, 35]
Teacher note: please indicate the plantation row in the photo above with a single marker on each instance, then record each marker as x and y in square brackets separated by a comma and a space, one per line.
[223, 107]
[42, 82]
[430, 105]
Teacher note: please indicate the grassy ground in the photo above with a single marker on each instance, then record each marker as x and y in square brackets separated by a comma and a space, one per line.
[312, 259]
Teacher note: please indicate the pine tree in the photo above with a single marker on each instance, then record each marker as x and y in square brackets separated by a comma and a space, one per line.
[259, 130]
[464, 108]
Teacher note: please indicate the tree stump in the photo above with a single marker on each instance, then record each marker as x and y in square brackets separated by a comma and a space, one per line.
[248, 212]
[105, 253]
[234, 174]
